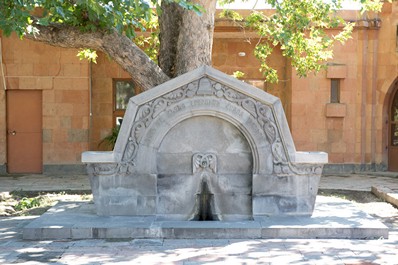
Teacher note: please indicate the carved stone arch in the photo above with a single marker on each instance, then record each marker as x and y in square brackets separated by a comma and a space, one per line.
[204, 153]
[229, 119]
[254, 119]
[260, 147]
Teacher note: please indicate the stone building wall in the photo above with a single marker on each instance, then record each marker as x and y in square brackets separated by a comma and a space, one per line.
[353, 132]
[318, 124]
[64, 81]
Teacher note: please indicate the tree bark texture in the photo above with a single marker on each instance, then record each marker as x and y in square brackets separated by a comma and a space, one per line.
[169, 27]
[186, 38]
[129, 56]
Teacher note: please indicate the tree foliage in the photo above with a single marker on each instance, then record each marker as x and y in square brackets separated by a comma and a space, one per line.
[297, 27]
[126, 16]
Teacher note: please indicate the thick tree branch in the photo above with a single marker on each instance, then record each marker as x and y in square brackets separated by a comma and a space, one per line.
[129, 56]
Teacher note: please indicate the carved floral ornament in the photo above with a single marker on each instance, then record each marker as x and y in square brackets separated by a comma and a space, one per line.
[204, 162]
[209, 89]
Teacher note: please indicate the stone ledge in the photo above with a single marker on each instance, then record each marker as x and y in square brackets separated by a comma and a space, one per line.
[336, 71]
[98, 157]
[332, 218]
[386, 194]
[335, 110]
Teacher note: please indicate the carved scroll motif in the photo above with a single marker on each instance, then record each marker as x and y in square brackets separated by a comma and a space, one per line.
[204, 161]
[206, 88]
[148, 112]
[297, 169]
[109, 169]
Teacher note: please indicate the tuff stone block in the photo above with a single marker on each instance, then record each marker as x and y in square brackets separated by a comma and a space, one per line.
[77, 135]
[126, 205]
[336, 71]
[336, 110]
[276, 205]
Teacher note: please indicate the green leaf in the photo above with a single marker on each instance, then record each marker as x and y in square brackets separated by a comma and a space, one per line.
[44, 21]
[88, 54]
[238, 74]
[231, 14]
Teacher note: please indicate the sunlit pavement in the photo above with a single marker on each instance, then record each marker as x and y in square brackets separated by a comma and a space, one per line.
[14, 250]
[275, 251]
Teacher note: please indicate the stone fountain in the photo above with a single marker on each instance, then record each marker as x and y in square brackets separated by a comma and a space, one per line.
[204, 146]
[204, 156]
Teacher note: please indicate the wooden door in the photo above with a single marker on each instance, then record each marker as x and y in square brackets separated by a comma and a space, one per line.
[24, 131]
[393, 134]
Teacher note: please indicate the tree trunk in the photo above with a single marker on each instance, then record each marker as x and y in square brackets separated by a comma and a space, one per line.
[129, 56]
[186, 38]
[186, 42]
[169, 26]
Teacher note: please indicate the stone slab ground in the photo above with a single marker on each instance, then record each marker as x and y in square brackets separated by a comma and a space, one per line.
[332, 218]
[386, 194]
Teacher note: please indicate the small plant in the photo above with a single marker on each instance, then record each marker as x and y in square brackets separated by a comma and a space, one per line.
[27, 203]
[238, 74]
[23, 203]
[110, 139]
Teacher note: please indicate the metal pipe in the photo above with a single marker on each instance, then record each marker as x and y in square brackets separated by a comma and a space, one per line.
[373, 133]
[1, 65]
[90, 88]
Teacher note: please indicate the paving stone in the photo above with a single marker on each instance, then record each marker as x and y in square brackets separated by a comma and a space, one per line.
[333, 218]
[147, 242]
[180, 251]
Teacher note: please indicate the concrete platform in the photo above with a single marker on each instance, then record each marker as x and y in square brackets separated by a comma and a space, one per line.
[332, 218]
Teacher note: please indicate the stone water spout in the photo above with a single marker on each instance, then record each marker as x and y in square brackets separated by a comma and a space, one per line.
[204, 168]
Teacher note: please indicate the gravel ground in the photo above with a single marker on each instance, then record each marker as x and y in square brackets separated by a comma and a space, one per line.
[34, 203]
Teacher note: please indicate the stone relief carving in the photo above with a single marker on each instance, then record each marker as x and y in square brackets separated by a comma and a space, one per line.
[297, 169]
[208, 88]
[146, 113]
[204, 161]
[109, 169]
